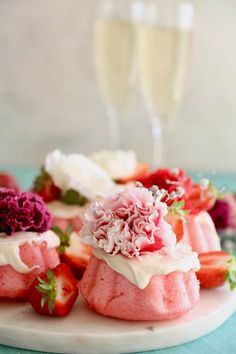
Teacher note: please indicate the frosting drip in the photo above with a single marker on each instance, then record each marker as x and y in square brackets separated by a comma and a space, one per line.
[10, 247]
[138, 271]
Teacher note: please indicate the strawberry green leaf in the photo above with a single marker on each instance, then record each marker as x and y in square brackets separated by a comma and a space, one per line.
[40, 180]
[48, 288]
[231, 274]
[69, 229]
[57, 230]
[73, 197]
[64, 237]
[176, 208]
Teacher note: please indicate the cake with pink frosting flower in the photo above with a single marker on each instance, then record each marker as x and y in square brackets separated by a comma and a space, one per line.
[137, 271]
[27, 245]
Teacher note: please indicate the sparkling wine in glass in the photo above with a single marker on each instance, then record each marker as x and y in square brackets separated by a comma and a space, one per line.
[164, 53]
[115, 54]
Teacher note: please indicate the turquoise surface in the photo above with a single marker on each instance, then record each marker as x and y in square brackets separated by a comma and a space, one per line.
[220, 341]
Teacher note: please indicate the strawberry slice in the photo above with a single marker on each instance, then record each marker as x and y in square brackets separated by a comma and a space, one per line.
[54, 292]
[217, 267]
[177, 224]
[140, 172]
[8, 181]
[44, 186]
[200, 198]
[72, 251]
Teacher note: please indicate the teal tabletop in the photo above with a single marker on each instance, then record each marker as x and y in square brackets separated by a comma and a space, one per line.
[221, 340]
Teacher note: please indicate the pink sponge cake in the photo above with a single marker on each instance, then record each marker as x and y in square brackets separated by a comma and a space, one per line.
[137, 271]
[200, 232]
[27, 246]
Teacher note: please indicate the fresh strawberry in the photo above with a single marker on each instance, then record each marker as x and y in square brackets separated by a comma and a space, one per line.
[141, 171]
[177, 223]
[54, 291]
[72, 251]
[8, 181]
[201, 198]
[44, 186]
[217, 267]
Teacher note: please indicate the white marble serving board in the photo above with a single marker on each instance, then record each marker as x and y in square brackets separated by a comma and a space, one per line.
[84, 331]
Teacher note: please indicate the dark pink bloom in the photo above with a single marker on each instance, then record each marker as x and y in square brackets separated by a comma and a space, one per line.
[22, 211]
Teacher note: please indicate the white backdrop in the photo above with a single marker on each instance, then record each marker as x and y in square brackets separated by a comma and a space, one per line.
[48, 96]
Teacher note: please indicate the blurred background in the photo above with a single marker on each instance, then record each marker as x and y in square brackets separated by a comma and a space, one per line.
[49, 97]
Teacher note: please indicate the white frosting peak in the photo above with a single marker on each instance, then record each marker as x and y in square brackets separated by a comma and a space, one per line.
[118, 164]
[138, 271]
[76, 171]
[10, 247]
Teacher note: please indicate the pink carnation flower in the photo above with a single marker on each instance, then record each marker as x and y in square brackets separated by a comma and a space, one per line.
[131, 222]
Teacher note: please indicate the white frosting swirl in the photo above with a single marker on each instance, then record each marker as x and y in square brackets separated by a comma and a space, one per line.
[10, 247]
[138, 271]
[118, 164]
[65, 211]
[76, 171]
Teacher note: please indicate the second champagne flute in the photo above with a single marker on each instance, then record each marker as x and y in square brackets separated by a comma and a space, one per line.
[164, 52]
[115, 60]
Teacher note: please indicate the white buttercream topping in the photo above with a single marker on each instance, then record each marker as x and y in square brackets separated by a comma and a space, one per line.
[10, 247]
[138, 271]
[118, 164]
[65, 211]
[76, 171]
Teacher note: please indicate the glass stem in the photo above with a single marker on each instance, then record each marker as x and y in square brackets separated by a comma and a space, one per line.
[157, 142]
[113, 125]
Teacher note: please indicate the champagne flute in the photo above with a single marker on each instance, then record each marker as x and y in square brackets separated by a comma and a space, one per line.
[114, 50]
[164, 53]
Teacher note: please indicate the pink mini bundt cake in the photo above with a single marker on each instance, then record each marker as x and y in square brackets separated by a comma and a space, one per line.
[199, 230]
[27, 246]
[137, 271]
[200, 233]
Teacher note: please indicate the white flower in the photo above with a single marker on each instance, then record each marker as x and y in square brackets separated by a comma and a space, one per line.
[118, 164]
[76, 171]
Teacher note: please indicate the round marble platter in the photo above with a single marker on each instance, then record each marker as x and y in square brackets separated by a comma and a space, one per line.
[85, 332]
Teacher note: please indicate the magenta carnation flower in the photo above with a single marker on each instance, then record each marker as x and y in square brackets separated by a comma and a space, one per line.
[223, 212]
[130, 223]
[22, 211]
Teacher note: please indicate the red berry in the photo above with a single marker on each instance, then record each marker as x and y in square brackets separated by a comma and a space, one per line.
[199, 199]
[214, 268]
[72, 251]
[8, 181]
[54, 292]
[177, 224]
[45, 187]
